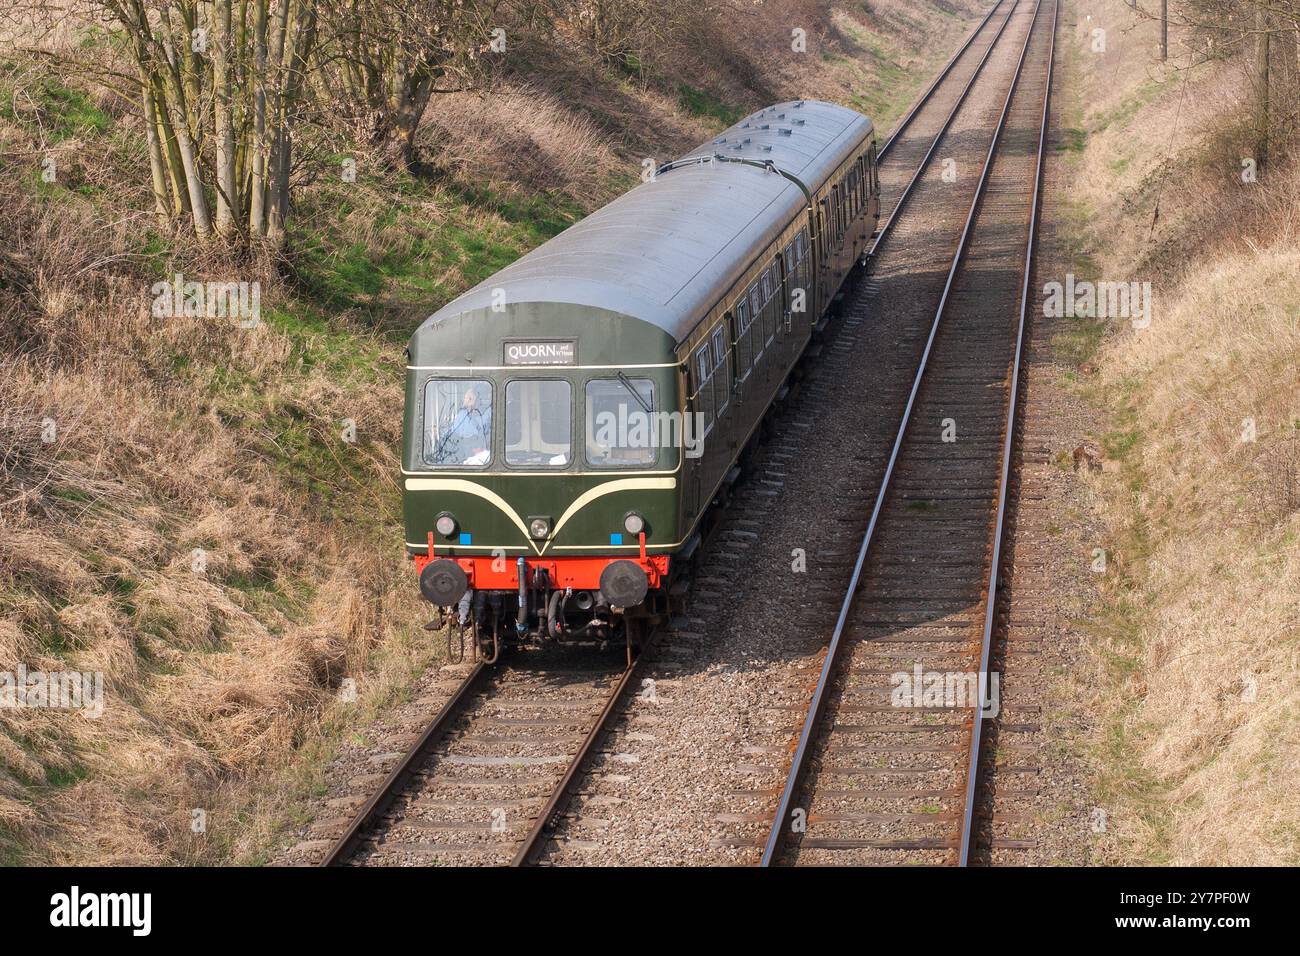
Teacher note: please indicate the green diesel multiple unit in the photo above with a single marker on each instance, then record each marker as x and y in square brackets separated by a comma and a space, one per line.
[570, 420]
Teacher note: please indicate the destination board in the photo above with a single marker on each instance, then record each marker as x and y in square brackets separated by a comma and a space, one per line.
[542, 353]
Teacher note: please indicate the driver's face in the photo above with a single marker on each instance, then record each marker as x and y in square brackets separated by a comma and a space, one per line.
[470, 400]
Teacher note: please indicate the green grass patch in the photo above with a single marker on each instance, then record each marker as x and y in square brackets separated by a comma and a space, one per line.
[705, 105]
[1078, 344]
[425, 246]
[1073, 140]
[1119, 444]
[1124, 112]
[61, 112]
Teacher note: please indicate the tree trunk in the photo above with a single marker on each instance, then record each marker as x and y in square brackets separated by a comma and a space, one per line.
[167, 139]
[157, 173]
[301, 37]
[174, 91]
[407, 113]
[223, 121]
[257, 182]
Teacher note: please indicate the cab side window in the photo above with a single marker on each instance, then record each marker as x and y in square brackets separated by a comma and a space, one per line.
[620, 416]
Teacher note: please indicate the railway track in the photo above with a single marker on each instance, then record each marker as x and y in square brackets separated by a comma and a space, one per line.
[910, 149]
[889, 765]
[501, 763]
[492, 769]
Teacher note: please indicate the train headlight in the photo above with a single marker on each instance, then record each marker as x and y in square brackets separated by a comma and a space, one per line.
[445, 525]
[539, 528]
[633, 523]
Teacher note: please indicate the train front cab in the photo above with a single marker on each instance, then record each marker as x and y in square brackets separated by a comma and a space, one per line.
[542, 480]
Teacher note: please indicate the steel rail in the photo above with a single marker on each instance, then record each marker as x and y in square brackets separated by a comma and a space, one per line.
[374, 808]
[397, 778]
[943, 73]
[534, 839]
[779, 822]
[967, 839]
[906, 194]
[378, 804]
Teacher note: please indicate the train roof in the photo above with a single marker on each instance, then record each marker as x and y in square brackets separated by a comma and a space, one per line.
[664, 251]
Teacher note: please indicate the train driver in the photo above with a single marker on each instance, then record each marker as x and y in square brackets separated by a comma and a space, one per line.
[467, 437]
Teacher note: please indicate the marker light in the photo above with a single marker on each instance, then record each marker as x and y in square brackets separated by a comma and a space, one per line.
[633, 523]
[445, 524]
[539, 528]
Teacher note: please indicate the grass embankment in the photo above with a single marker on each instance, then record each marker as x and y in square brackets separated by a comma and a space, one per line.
[213, 524]
[207, 514]
[1195, 643]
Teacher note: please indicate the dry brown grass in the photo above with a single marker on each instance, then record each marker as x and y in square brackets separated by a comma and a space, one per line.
[213, 679]
[520, 133]
[221, 684]
[1197, 654]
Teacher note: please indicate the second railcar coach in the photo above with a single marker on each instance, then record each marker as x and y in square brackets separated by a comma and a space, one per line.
[569, 420]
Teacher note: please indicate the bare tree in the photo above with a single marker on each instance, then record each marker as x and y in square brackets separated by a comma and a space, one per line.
[621, 32]
[220, 85]
[390, 57]
[1263, 33]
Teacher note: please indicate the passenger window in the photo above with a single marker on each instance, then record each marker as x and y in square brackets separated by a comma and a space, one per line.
[754, 303]
[767, 285]
[704, 390]
[457, 422]
[538, 422]
[721, 370]
[789, 258]
[621, 424]
[742, 315]
[770, 307]
[744, 356]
